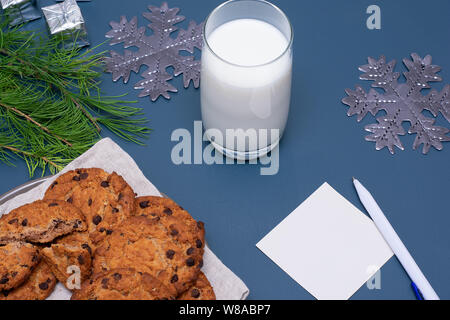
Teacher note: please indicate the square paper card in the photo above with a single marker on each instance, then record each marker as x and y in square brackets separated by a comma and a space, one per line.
[327, 245]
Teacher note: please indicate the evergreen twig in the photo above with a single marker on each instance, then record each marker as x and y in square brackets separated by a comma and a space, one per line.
[35, 122]
[51, 108]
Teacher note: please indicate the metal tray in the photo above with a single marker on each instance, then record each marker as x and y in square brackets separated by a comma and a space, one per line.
[22, 189]
[30, 185]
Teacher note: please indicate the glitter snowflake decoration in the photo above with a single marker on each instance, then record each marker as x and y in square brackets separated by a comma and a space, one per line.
[401, 102]
[157, 51]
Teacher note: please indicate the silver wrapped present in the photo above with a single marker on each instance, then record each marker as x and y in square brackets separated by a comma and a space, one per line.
[20, 11]
[65, 21]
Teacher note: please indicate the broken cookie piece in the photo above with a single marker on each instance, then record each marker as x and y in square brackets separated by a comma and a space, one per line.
[41, 222]
[17, 261]
[38, 286]
[104, 199]
[70, 259]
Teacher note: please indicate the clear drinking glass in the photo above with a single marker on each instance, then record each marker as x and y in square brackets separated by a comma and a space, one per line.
[244, 101]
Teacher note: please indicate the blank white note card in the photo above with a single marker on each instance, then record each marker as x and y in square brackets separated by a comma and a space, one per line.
[327, 245]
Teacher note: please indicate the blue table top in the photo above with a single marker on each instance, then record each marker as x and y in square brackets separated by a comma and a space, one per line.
[238, 205]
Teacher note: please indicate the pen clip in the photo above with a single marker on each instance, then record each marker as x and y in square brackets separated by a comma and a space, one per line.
[416, 291]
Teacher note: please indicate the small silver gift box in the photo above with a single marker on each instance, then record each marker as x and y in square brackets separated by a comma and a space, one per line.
[20, 11]
[65, 21]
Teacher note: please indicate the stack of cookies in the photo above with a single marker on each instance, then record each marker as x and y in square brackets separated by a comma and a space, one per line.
[91, 233]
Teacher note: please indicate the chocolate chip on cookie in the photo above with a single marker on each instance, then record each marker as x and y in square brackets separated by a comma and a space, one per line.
[84, 175]
[190, 262]
[170, 254]
[174, 278]
[105, 184]
[195, 293]
[96, 220]
[117, 276]
[43, 286]
[143, 204]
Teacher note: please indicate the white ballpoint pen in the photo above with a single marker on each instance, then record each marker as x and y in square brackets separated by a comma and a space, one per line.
[397, 246]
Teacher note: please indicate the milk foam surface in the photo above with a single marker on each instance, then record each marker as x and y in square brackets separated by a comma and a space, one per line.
[247, 42]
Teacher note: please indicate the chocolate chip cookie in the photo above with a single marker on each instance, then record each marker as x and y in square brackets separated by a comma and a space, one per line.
[38, 286]
[201, 290]
[17, 261]
[68, 255]
[105, 199]
[167, 249]
[40, 222]
[175, 220]
[122, 284]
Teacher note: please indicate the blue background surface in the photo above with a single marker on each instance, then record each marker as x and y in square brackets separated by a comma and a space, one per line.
[320, 144]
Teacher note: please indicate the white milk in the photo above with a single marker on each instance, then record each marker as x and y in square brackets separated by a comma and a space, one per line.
[249, 86]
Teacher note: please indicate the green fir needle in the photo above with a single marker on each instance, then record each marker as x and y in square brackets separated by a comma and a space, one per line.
[51, 108]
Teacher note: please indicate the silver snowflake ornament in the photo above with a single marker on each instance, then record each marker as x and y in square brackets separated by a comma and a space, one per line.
[402, 102]
[157, 51]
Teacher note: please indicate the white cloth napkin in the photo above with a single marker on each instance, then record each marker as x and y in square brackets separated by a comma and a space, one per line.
[108, 156]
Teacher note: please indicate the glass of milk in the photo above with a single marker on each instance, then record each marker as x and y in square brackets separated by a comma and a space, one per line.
[246, 77]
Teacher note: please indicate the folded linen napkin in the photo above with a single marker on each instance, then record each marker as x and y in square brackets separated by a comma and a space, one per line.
[108, 156]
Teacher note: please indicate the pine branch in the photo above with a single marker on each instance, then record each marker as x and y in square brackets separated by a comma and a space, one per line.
[86, 113]
[35, 122]
[51, 108]
[28, 154]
